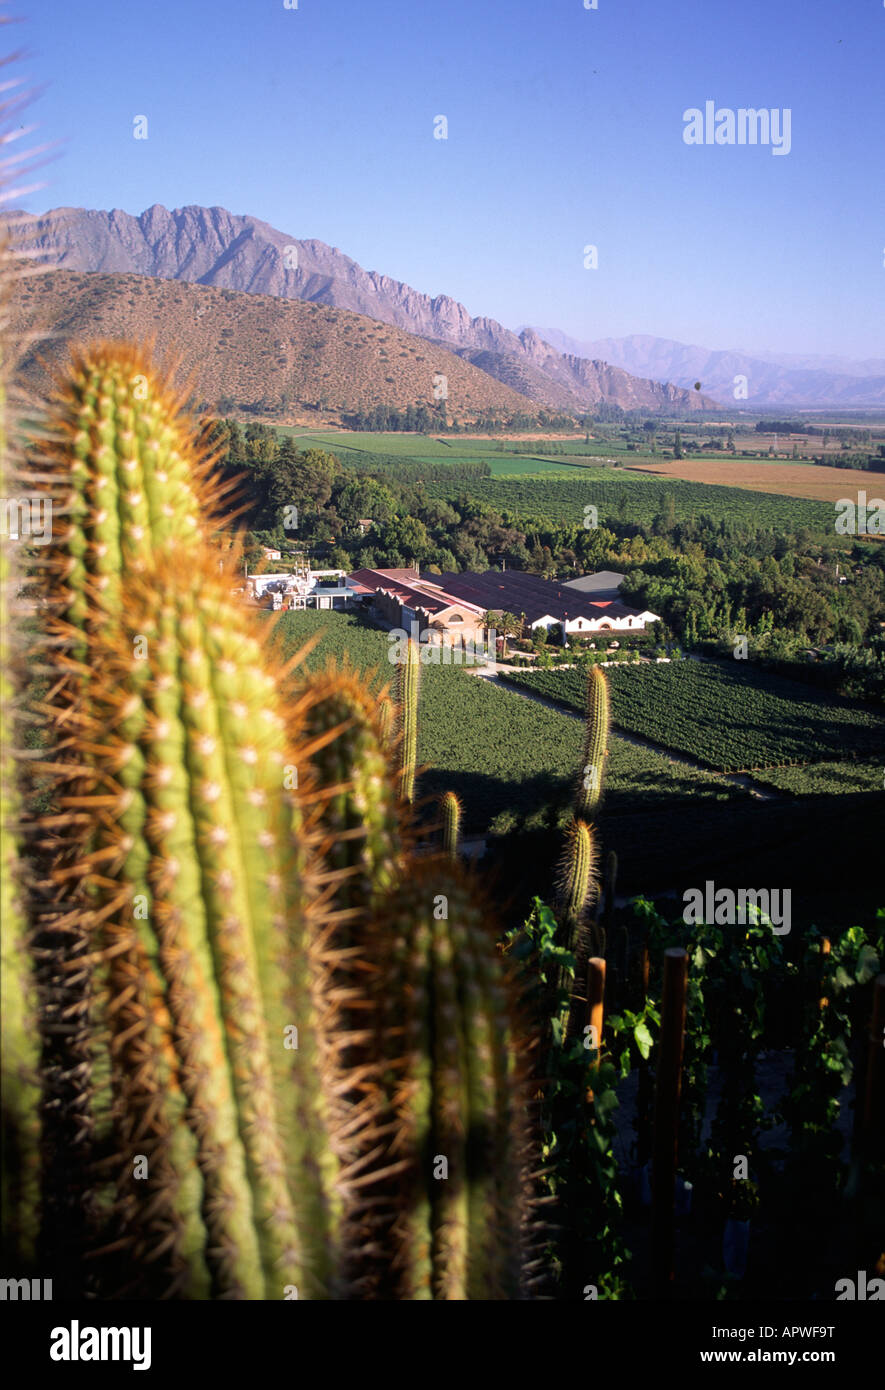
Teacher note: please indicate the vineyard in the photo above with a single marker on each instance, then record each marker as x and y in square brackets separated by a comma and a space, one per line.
[552, 489]
[638, 498]
[730, 717]
[370, 452]
[824, 779]
[508, 758]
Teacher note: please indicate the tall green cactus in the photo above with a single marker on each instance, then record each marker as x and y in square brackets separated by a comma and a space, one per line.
[200, 869]
[459, 1205]
[131, 472]
[219, 858]
[576, 890]
[588, 793]
[408, 673]
[576, 883]
[348, 764]
[451, 823]
[127, 478]
[19, 1050]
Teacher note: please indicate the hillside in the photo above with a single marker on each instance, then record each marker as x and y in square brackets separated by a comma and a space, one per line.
[282, 359]
[212, 246]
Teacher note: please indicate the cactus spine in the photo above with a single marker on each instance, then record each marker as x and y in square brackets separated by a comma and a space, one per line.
[407, 684]
[451, 824]
[131, 472]
[589, 790]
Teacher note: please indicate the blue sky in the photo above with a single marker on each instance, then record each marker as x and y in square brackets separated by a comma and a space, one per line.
[565, 129]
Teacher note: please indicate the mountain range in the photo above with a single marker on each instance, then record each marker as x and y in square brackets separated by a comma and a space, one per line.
[223, 250]
[771, 379]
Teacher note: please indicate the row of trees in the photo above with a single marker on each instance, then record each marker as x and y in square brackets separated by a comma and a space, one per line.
[424, 419]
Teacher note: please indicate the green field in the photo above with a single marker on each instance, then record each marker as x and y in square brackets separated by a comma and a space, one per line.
[549, 489]
[824, 779]
[404, 445]
[412, 448]
[510, 759]
[730, 716]
[634, 497]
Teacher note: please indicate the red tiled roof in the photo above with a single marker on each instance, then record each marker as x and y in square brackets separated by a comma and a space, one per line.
[426, 596]
[527, 593]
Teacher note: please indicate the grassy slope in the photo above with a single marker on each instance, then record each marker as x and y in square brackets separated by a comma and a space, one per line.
[733, 717]
[502, 753]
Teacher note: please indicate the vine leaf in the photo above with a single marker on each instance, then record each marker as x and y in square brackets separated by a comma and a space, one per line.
[643, 1039]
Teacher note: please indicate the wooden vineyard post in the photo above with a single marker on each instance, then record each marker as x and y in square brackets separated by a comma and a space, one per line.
[666, 1125]
[595, 1006]
[874, 1092]
[824, 951]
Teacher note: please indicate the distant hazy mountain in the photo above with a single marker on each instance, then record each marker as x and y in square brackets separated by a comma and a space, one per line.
[772, 380]
[211, 246]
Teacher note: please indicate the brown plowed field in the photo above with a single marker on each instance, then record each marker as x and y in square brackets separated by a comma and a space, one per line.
[789, 479]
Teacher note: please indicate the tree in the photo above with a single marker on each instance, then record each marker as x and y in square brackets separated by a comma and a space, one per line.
[364, 498]
[407, 536]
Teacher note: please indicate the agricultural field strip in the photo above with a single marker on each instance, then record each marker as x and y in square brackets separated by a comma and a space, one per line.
[501, 462]
[639, 498]
[733, 720]
[466, 726]
[520, 687]
[823, 779]
[780, 510]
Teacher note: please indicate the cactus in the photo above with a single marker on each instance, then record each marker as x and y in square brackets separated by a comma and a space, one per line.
[576, 884]
[358, 814]
[199, 903]
[589, 790]
[460, 1204]
[127, 477]
[19, 1053]
[451, 824]
[408, 674]
[195, 827]
[576, 889]
[131, 472]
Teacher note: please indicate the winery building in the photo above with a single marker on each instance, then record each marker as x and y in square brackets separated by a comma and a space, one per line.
[454, 604]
